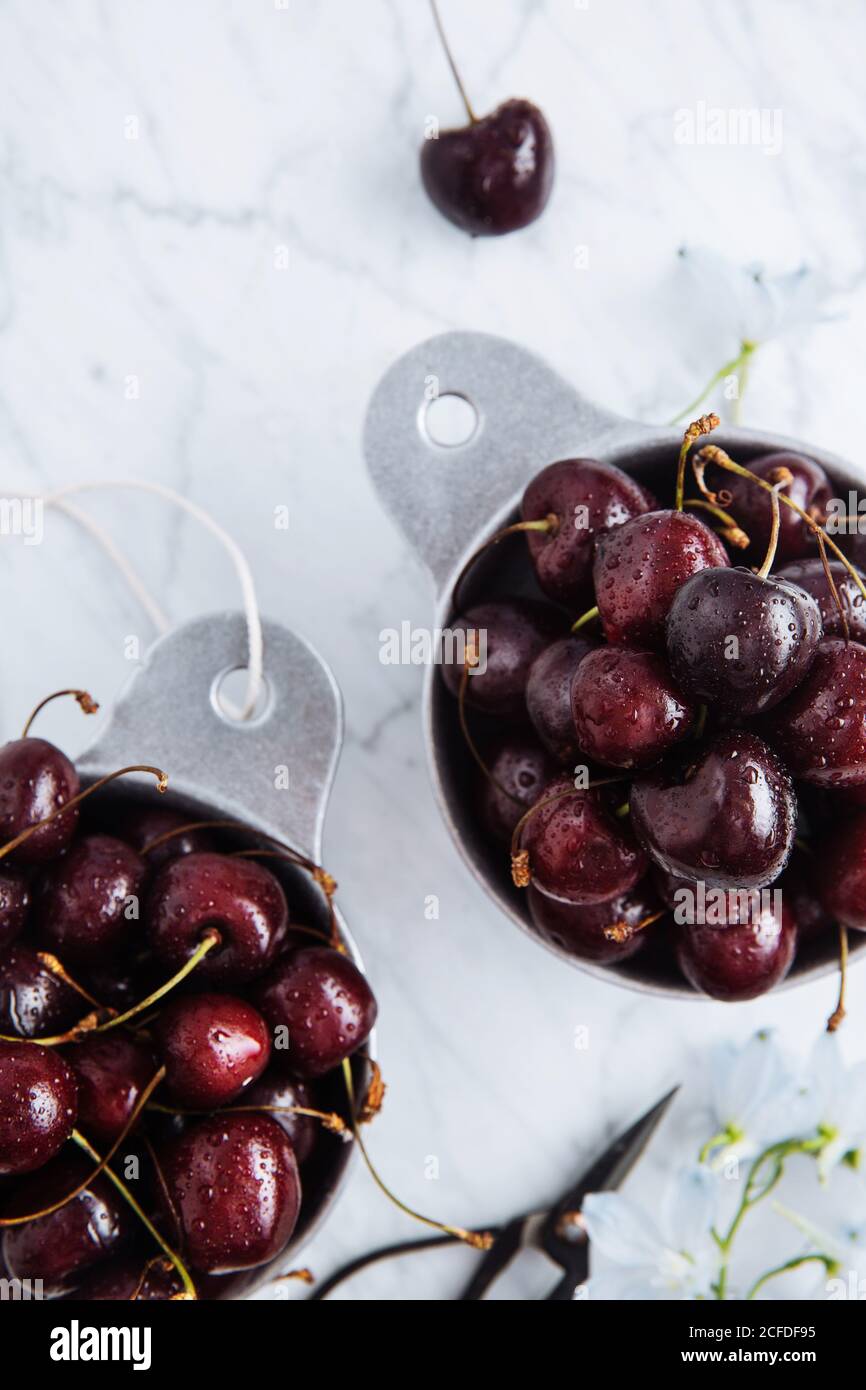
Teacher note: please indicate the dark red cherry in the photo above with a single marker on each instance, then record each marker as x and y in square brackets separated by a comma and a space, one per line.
[820, 730]
[34, 1003]
[38, 1106]
[238, 898]
[739, 962]
[323, 1006]
[89, 902]
[494, 175]
[509, 634]
[548, 696]
[739, 642]
[518, 770]
[627, 709]
[213, 1046]
[35, 780]
[839, 870]
[83, 1233]
[578, 850]
[273, 1091]
[579, 930]
[140, 824]
[130, 1277]
[14, 905]
[640, 566]
[111, 1069]
[587, 498]
[752, 507]
[724, 812]
[809, 575]
[697, 903]
[799, 889]
[233, 1185]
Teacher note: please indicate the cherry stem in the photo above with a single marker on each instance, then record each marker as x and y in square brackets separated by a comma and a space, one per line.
[57, 968]
[831, 584]
[331, 1121]
[103, 1162]
[705, 424]
[588, 617]
[478, 1241]
[712, 454]
[836, 1018]
[451, 63]
[550, 524]
[621, 931]
[210, 939]
[92, 1024]
[86, 702]
[472, 660]
[188, 1285]
[732, 532]
[747, 348]
[161, 784]
[774, 529]
[326, 881]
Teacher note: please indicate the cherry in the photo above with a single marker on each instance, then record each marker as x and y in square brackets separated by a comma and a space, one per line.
[238, 898]
[131, 1277]
[640, 566]
[548, 695]
[139, 824]
[89, 899]
[840, 871]
[14, 905]
[724, 813]
[273, 1091]
[819, 730]
[810, 575]
[509, 634]
[586, 498]
[65, 1244]
[38, 1106]
[577, 851]
[739, 641]
[111, 1069]
[35, 780]
[798, 890]
[518, 771]
[34, 1002]
[738, 962]
[233, 1185]
[627, 709]
[810, 488]
[579, 930]
[323, 1001]
[212, 1046]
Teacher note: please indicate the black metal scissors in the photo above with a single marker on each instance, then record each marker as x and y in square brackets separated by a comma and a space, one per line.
[559, 1232]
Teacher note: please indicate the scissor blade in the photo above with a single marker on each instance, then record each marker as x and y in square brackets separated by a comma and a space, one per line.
[563, 1235]
[611, 1170]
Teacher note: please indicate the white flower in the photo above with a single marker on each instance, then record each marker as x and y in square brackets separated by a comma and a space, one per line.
[750, 1088]
[751, 305]
[675, 1258]
[832, 1100]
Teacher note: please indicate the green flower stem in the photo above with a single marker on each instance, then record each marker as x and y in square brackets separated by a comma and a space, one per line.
[776, 1155]
[830, 1265]
[740, 363]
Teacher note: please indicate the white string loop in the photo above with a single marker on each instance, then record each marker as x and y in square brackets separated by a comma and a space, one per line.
[255, 642]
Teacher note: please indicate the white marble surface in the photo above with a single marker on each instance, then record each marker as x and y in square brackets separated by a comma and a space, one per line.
[265, 131]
